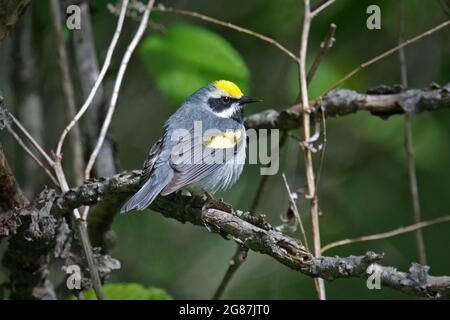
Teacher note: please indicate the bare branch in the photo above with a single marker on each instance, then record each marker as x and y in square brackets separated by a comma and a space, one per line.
[80, 224]
[388, 234]
[31, 139]
[101, 217]
[326, 45]
[32, 155]
[254, 233]
[409, 144]
[321, 6]
[382, 101]
[68, 90]
[306, 120]
[11, 196]
[240, 254]
[115, 95]
[387, 53]
[117, 85]
[29, 251]
[89, 71]
[324, 143]
[297, 214]
[99, 80]
[26, 261]
[161, 8]
[236, 261]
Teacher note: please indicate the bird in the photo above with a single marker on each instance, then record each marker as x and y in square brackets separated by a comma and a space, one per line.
[202, 148]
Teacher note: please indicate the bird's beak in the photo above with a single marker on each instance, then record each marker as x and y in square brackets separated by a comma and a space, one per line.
[246, 100]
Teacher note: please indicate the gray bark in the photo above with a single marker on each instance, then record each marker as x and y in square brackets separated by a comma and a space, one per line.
[382, 101]
[253, 232]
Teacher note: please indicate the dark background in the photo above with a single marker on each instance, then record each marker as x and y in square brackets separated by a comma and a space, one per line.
[364, 186]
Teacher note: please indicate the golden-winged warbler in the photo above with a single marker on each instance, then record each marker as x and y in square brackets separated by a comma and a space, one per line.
[202, 147]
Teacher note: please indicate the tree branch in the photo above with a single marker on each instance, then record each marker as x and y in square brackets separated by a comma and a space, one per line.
[68, 90]
[382, 101]
[409, 144]
[254, 233]
[241, 252]
[27, 261]
[88, 69]
[138, 7]
[100, 217]
[11, 196]
[387, 53]
[117, 85]
[387, 234]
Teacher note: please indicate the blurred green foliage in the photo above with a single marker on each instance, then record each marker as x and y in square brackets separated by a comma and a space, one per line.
[129, 291]
[185, 57]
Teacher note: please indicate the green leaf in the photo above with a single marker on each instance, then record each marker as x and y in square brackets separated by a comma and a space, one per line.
[187, 57]
[129, 291]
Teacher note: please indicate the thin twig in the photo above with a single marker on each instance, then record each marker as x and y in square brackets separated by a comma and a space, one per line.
[99, 80]
[236, 261]
[326, 44]
[117, 85]
[88, 70]
[81, 227]
[306, 116]
[388, 234]
[68, 90]
[296, 212]
[385, 54]
[320, 7]
[31, 139]
[32, 155]
[324, 143]
[193, 14]
[409, 145]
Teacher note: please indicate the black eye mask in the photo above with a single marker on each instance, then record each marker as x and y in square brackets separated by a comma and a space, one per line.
[222, 103]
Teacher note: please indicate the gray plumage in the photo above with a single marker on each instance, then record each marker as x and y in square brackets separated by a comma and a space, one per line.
[163, 175]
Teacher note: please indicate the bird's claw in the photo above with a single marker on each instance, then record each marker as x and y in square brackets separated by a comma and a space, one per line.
[212, 203]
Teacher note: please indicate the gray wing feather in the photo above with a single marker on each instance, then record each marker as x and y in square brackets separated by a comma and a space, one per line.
[186, 168]
[151, 159]
[155, 176]
[149, 191]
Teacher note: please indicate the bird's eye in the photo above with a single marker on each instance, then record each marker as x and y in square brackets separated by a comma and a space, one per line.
[226, 100]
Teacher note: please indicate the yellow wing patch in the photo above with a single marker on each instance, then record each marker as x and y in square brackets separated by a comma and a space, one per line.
[223, 140]
[229, 87]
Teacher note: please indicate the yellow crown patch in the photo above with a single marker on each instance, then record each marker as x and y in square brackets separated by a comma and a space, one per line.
[229, 87]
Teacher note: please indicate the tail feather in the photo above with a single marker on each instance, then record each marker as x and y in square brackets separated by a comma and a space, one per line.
[148, 192]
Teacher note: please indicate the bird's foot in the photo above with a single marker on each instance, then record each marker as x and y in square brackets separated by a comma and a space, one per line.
[208, 196]
[211, 203]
